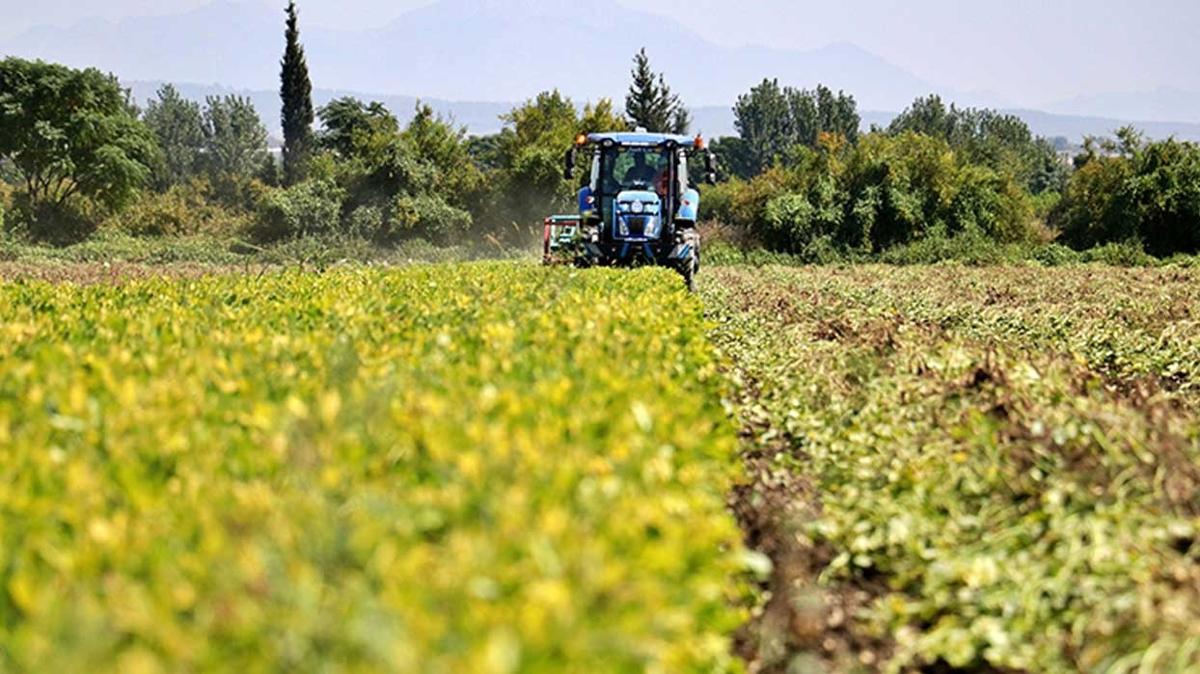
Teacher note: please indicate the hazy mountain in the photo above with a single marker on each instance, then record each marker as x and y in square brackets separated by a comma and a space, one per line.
[236, 44]
[1162, 104]
[508, 50]
[1075, 127]
[461, 50]
[484, 117]
[719, 121]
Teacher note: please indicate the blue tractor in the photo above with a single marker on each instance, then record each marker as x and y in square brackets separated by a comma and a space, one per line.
[639, 205]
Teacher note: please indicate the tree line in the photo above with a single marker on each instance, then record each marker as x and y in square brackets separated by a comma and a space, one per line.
[801, 175]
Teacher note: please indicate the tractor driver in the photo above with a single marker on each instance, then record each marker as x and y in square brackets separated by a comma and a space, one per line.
[642, 173]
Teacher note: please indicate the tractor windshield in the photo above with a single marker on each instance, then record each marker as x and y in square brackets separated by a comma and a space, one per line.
[636, 168]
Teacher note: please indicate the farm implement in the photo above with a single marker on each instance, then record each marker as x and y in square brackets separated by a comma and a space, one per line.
[561, 239]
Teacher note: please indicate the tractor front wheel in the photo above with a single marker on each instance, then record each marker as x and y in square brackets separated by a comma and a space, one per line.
[688, 268]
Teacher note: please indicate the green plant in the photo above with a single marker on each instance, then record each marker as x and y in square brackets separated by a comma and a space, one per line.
[1133, 189]
[178, 126]
[310, 209]
[1121, 254]
[184, 210]
[70, 136]
[373, 470]
[54, 222]
[1056, 255]
[425, 216]
[968, 469]
[5, 204]
[650, 104]
[298, 116]
[366, 223]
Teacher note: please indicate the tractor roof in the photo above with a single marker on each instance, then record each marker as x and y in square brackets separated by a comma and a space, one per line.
[642, 138]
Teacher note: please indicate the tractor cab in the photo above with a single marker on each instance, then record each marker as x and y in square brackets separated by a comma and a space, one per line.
[638, 204]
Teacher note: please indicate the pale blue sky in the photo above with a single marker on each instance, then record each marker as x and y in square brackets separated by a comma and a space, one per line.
[1029, 52]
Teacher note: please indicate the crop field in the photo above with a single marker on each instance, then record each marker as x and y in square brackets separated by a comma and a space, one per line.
[499, 468]
[969, 470]
[479, 468]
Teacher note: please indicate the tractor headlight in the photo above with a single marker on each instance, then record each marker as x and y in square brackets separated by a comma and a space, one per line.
[622, 227]
[624, 206]
[638, 207]
[653, 227]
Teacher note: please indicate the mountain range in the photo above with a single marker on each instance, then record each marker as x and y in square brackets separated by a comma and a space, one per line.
[495, 52]
[499, 50]
[713, 120]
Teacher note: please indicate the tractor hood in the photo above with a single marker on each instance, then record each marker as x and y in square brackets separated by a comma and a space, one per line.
[638, 216]
[649, 201]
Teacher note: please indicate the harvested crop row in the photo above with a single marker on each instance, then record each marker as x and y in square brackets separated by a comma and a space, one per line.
[477, 468]
[970, 470]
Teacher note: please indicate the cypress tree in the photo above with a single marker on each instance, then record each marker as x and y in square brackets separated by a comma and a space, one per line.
[650, 104]
[296, 92]
[642, 104]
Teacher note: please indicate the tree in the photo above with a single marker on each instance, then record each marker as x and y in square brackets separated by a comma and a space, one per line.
[734, 157]
[1130, 189]
[650, 104]
[235, 140]
[347, 124]
[419, 181]
[179, 126]
[601, 117]
[928, 116]
[774, 120]
[821, 111]
[296, 92]
[444, 146]
[764, 121]
[999, 141]
[69, 133]
[529, 150]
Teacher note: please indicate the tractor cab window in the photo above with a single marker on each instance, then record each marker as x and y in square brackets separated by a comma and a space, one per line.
[635, 168]
[594, 176]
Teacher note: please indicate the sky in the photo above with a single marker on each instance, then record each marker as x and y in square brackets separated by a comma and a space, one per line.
[1023, 52]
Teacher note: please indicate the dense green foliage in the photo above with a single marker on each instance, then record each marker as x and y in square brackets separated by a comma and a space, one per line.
[402, 471]
[801, 179]
[70, 135]
[650, 104]
[348, 125]
[310, 208]
[224, 143]
[235, 140]
[295, 90]
[178, 125]
[183, 210]
[1130, 189]
[1000, 142]
[773, 122]
[868, 197]
[805, 183]
[527, 177]
[970, 470]
[393, 183]
[5, 205]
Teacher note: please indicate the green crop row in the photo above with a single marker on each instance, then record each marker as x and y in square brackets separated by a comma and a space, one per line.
[998, 470]
[476, 468]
